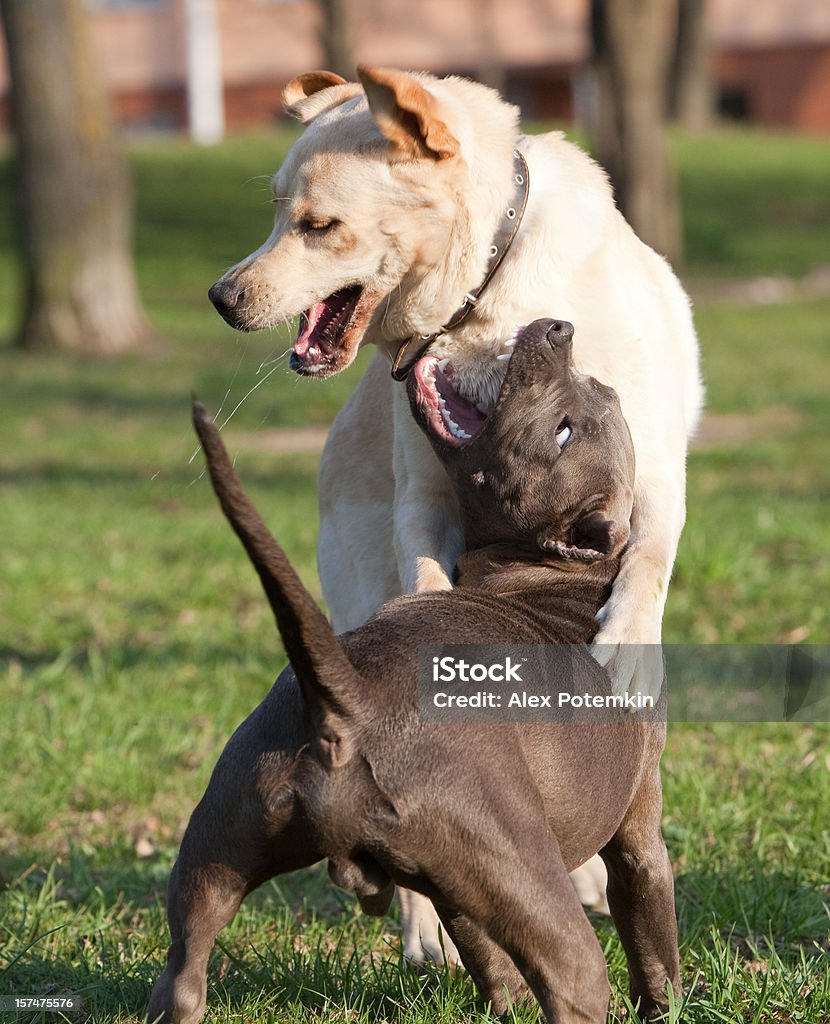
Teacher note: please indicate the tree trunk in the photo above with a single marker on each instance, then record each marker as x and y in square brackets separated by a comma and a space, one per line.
[632, 43]
[691, 89]
[74, 202]
[336, 39]
[491, 70]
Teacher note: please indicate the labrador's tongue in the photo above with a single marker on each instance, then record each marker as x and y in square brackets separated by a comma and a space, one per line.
[323, 323]
[308, 322]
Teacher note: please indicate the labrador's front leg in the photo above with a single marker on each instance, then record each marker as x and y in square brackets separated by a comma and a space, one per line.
[628, 642]
[428, 541]
[427, 532]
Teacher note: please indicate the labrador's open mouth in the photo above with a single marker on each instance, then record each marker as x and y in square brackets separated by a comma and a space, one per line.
[449, 415]
[324, 327]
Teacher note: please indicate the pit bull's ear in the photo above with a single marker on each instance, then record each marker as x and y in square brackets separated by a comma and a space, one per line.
[407, 115]
[590, 537]
[311, 94]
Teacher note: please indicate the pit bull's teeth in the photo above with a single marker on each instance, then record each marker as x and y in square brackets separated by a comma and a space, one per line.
[442, 366]
[511, 343]
[482, 408]
[504, 357]
[442, 402]
[452, 426]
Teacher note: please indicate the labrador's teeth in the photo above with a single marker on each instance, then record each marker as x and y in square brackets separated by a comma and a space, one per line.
[442, 366]
[442, 402]
[504, 357]
[464, 435]
[511, 343]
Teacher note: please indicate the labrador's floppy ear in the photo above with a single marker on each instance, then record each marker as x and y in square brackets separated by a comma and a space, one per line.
[407, 114]
[309, 95]
[592, 536]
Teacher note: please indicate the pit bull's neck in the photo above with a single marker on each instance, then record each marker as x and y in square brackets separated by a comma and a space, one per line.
[548, 585]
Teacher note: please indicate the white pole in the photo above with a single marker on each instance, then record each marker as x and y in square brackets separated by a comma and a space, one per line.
[205, 102]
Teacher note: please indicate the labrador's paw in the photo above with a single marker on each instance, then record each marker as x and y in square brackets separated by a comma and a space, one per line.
[631, 654]
[424, 938]
[431, 577]
[590, 881]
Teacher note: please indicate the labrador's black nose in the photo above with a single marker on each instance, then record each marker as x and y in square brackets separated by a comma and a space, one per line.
[225, 296]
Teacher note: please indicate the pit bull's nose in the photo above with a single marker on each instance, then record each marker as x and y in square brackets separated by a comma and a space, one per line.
[225, 296]
[560, 333]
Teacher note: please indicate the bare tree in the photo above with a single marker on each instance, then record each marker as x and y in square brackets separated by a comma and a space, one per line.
[691, 91]
[632, 47]
[491, 70]
[72, 186]
[336, 37]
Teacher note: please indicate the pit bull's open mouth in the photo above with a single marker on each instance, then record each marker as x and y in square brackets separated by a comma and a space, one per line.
[451, 417]
[325, 328]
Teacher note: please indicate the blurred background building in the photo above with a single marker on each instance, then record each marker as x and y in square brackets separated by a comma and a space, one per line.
[207, 64]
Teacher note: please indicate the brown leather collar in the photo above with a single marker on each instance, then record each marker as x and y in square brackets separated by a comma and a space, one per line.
[411, 350]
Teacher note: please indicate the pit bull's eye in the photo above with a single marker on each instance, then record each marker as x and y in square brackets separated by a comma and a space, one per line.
[563, 432]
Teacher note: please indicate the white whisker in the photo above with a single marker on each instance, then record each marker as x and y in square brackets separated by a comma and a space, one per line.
[271, 362]
[245, 397]
[233, 380]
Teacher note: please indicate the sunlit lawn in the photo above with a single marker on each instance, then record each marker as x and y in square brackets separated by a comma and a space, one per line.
[133, 637]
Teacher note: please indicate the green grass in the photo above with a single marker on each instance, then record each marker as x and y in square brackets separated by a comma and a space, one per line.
[134, 637]
[753, 203]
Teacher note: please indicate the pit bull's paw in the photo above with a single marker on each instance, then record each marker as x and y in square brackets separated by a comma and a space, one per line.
[424, 938]
[633, 660]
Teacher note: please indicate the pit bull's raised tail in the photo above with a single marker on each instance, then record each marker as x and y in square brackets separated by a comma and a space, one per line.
[328, 679]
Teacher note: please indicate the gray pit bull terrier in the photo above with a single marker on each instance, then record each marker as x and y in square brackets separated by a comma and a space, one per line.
[484, 819]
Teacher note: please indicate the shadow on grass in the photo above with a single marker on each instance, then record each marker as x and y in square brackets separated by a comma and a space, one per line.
[287, 471]
[299, 944]
[755, 911]
[155, 658]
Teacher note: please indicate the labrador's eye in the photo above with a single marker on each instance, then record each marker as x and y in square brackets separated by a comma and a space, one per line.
[316, 226]
[563, 432]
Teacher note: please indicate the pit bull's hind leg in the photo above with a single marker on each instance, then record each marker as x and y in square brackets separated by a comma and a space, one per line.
[641, 897]
[200, 902]
[231, 846]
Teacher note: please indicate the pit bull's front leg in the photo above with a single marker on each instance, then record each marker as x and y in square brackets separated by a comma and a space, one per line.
[524, 904]
[495, 975]
[641, 895]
